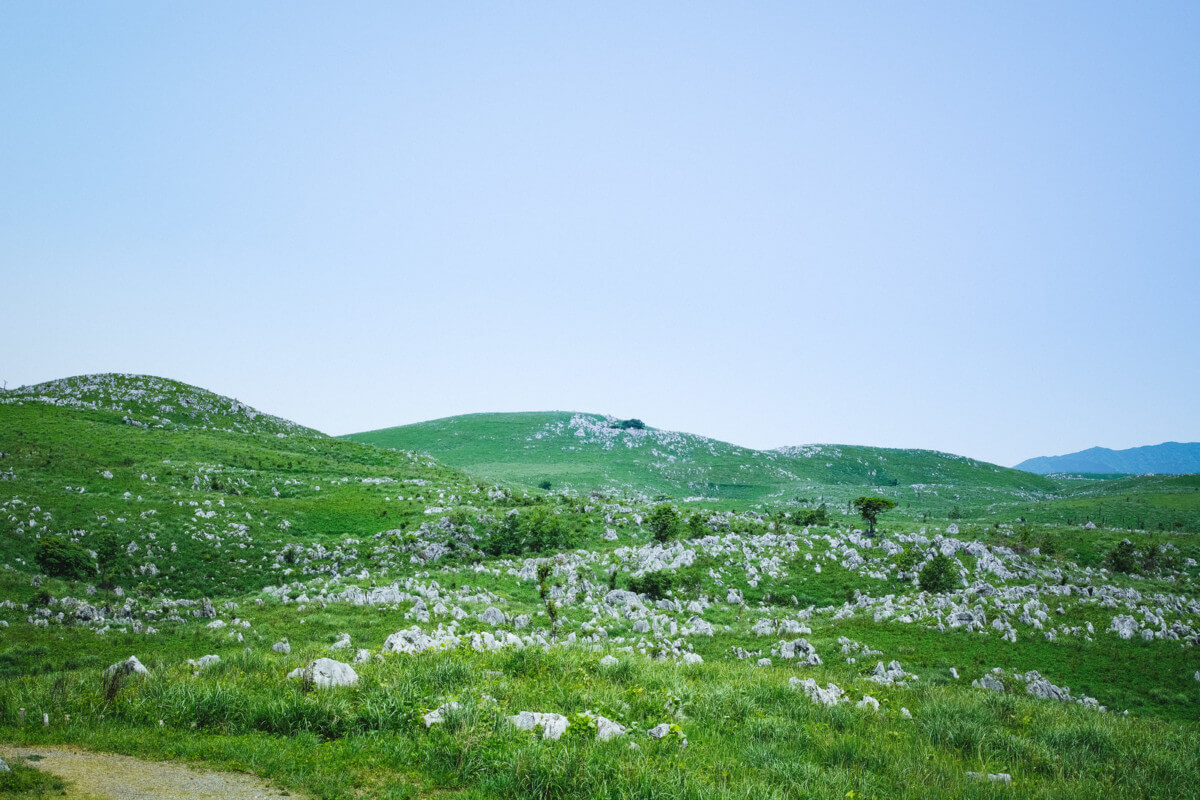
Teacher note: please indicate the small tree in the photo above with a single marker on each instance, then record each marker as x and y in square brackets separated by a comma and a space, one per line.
[63, 558]
[909, 559]
[871, 508]
[938, 575]
[812, 516]
[664, 523]
[656, 584]
[543, 575]
[109, 556]
[1122, 558]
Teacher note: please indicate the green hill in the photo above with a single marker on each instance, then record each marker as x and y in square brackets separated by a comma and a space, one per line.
[151, 402]
[586, 452]
[173, 475]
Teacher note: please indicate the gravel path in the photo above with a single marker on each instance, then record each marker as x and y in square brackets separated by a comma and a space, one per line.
[115, 777]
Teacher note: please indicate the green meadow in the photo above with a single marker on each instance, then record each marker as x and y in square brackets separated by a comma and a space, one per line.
[565, 564]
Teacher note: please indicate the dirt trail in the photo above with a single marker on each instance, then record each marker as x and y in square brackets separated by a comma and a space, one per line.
[114, 777]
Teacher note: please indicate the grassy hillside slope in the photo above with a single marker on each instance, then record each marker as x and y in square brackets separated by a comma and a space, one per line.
[589, 451]
[148, 401]
[92, 459]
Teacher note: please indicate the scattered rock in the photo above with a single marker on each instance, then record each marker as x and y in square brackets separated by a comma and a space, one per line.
[886, 676]
[325, 673]
[204, 661]
[831, 695]
[130, 666]
[994, 777]
[438, 715]
[800, 650]
[553, 725]
[492, 616]
[206, 610]
[608, 729]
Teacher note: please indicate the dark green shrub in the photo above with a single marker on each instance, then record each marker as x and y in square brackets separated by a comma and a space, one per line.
[908, 560]
[63, 558]
[655, 584]
[109, 555]
[537, 531]
[1122, 558]
[664, 523]
[812, 516]
[938, 575]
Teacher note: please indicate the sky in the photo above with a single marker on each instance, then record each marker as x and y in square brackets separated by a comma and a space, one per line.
[972, 227]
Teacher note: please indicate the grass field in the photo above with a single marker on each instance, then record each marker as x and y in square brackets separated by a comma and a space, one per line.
[224, 531]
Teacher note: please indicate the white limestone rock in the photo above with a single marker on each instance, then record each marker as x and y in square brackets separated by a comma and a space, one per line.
[831, 695]
[493, 616]
[438, 715]
[130, 666]
[553, 726]
[868, 702]
[325, 673]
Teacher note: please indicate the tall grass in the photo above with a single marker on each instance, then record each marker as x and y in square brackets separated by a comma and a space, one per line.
[749, 734]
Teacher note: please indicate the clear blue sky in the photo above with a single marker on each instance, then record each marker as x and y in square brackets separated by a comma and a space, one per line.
[967, 226]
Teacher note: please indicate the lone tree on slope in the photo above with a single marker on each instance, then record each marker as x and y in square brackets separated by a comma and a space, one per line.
[664, 523]
[871, 508]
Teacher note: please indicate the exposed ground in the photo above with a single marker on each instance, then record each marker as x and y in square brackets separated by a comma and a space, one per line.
[108, 776]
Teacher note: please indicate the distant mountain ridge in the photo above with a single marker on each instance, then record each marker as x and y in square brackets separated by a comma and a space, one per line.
[1168, 458]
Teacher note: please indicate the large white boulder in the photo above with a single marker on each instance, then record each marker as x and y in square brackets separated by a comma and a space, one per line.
[607, 729]
[492, 616]
[326, 673]
[553, 725]
[413, 640]
[1124, 626]
[130, 666]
